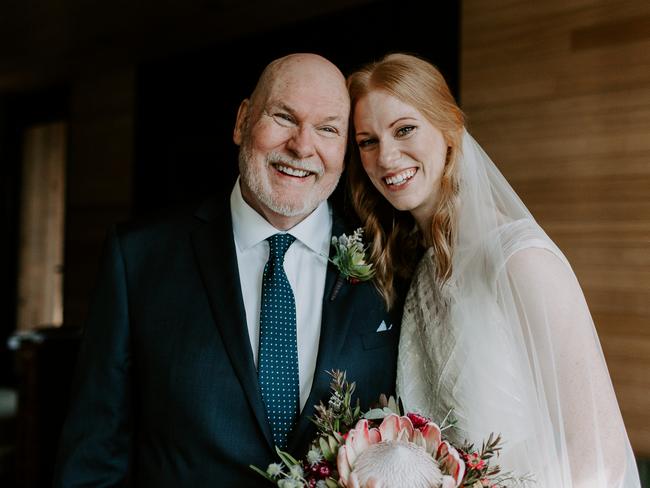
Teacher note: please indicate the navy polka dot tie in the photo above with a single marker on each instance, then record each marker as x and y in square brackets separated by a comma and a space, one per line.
[278, 353]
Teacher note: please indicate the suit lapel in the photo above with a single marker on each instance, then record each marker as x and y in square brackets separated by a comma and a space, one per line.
[335, 323]
[214, 246]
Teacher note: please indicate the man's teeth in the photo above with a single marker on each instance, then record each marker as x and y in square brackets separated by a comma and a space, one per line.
[400, 178]
[292, 171]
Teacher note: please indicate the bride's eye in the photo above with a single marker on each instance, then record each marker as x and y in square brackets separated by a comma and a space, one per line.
[364, 143]
[403, 131]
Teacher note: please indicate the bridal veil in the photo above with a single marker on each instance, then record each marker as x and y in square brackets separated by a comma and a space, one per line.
[509, 343]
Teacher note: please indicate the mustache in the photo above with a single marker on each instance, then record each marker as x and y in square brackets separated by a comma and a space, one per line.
[278, 158]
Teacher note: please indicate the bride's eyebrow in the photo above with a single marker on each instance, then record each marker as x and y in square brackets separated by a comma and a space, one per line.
[402, 119]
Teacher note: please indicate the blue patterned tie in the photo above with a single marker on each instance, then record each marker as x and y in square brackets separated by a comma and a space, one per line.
[278, 353]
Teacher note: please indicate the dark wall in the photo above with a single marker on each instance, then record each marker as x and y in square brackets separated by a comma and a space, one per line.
[9, 179]
[186, 104]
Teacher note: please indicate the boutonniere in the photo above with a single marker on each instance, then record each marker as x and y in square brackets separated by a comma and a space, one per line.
[350, 259]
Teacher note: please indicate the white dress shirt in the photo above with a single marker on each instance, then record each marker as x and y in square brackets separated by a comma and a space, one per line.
[305, 264]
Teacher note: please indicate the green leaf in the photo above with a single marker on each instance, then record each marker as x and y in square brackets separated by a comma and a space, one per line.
[286, 458]
[325, 448]
[377, 413]
[333, 445]
[263, 473]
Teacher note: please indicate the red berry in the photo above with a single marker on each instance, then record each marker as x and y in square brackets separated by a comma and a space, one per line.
[417, 420]
[324, 471]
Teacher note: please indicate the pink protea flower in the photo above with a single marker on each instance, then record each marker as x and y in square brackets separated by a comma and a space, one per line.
[396, 454]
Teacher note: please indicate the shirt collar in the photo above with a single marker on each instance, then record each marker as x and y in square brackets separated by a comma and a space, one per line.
[250, 228]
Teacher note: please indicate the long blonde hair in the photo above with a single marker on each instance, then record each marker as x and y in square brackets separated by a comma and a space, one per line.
[394, 238]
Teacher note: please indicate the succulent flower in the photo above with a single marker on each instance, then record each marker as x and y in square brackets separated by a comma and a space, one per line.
[350, 259]
[397, 454]
[350, 256]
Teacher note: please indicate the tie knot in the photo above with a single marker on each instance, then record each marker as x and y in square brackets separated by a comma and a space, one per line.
[279, 243]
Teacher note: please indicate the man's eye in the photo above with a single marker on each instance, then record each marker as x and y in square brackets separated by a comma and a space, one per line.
[284, 117]
[330, 129]
[402, 131]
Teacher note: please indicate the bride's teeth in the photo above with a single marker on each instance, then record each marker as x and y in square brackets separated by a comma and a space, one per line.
[292, 171]
[400, 178]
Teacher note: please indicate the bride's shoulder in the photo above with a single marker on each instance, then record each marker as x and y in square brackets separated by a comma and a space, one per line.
[533, 260]
[539, 271]
[529, 253]
[524, 243]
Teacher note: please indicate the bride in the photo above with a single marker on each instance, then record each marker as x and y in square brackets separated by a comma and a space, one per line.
[495, 324]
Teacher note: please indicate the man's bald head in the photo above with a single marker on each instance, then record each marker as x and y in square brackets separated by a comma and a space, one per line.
[298, 65]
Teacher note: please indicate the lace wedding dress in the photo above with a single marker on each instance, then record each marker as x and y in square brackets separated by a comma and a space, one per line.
[508, 343]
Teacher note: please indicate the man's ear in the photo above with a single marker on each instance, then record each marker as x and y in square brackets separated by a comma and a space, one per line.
[240, 123]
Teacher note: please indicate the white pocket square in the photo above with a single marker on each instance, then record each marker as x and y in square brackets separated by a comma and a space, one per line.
[383, 327]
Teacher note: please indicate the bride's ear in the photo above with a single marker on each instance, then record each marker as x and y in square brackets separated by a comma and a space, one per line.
[448, 155]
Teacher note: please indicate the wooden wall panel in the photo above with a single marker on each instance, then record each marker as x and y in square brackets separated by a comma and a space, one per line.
[42, 220]
[558, 93]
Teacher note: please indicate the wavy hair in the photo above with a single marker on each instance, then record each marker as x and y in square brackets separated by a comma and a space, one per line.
[394, 237]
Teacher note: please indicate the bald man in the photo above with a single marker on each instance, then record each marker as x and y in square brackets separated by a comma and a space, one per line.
[174, 387]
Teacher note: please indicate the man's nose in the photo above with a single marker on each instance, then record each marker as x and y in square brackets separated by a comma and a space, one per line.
[301, 143]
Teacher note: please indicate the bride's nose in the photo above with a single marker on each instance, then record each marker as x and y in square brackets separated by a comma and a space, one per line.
[388, 154]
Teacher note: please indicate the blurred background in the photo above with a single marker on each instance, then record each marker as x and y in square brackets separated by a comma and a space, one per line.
[117, 110]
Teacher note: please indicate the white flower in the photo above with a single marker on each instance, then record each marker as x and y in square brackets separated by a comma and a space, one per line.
[290, 483]
[274, 470]
[314, 456]
[335, 402]
[296, 471]
[356, 236]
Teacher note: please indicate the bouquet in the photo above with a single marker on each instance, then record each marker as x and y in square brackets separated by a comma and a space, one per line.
[384, 448]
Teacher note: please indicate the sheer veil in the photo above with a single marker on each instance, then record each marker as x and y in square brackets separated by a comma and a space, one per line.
[508, 343]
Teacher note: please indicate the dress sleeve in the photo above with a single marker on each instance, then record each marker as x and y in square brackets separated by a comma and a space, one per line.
[95, 443]
[572, 380]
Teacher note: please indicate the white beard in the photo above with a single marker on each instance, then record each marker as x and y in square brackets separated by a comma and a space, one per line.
[258, 183]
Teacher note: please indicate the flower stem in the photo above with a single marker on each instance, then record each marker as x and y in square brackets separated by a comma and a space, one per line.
[340, 279]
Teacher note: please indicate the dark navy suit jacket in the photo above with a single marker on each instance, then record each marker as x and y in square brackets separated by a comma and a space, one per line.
[166, 392]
